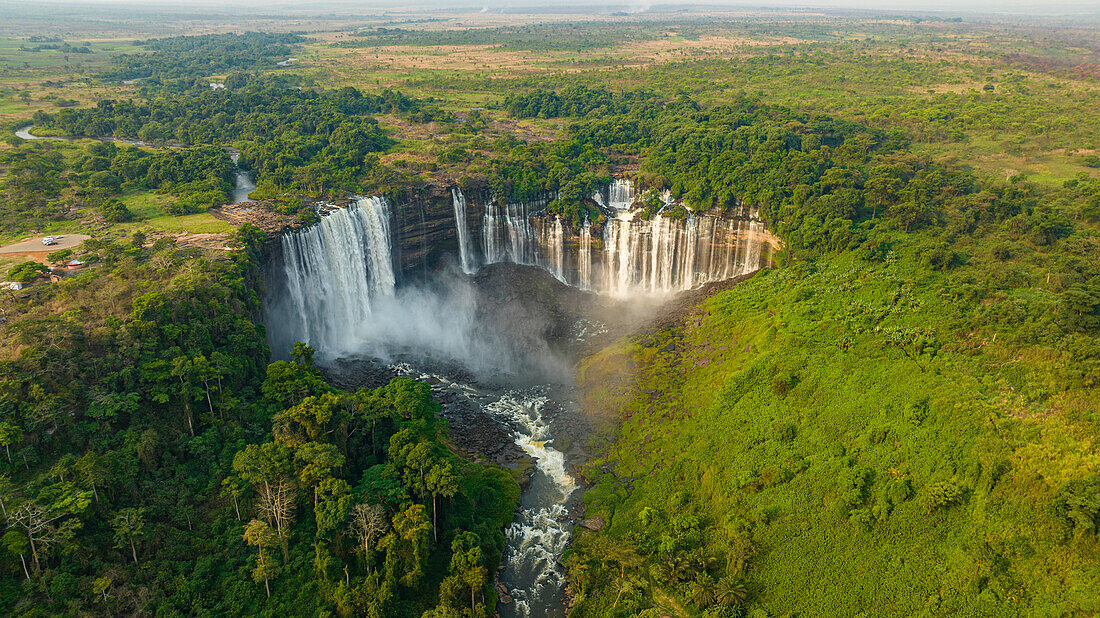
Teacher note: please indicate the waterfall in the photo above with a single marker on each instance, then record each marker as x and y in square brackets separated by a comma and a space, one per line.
[620, 194]
[664, 255]
[506, 234]
[659, 255]
[554, 242]
[519, 233]
[584, 260]
[465, 251]
[334, 269]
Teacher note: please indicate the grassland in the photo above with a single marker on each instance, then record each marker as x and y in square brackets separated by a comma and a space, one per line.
[785, 421]
[970, 93]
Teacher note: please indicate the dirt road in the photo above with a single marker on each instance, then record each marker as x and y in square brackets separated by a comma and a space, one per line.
[33, 249]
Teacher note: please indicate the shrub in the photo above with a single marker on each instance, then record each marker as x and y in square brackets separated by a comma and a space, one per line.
[196, 203]
[941, 494]
[115, 211]
[1077, 507]
[60, 256]
[27, 272]
[782, 383]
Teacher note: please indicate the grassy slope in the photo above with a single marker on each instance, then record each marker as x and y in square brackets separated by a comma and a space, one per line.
[709, 414]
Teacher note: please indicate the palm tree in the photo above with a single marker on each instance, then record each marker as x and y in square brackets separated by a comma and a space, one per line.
[703, 591]
[731, 592]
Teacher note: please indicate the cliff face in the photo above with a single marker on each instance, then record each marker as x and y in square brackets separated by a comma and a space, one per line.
[619, 255]
[424, 233]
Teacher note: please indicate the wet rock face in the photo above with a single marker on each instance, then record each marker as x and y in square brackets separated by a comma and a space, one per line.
[425, 237]
[478, 435]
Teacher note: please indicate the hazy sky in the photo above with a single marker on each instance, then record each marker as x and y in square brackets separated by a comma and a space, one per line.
[986, 6]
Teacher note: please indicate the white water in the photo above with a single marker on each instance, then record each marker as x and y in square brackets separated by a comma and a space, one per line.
[541, 530]
[620, 194]
[553, 239]
[539, 535]
[465, 251]
[341, 298]
[659, 256]
[334, 271]
[584, 259]
[662, 255]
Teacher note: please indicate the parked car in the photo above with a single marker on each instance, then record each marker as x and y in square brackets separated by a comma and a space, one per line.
[49, 240]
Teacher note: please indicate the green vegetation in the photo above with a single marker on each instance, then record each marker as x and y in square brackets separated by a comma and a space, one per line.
[201, 56]
[155, 463]
[48, 181]
[309, 141]
[900, 419]
[26, 272]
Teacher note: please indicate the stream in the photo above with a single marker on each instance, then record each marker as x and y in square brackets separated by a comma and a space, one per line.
[243, 183]
[531, 574]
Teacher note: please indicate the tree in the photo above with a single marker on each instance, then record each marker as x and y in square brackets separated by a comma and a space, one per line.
[91, 470]
[441, 480]
[331, 512]
[368, 524]
[267, 467]
[258, 533]
[10, 434]
[278, 503]
[704, 591]
[316, 462]
[46, 520]
[234, 487]
[467, 563]
[302, 354]
[128, 525]
[16, 543]
[27, 272]
[310, 420]
[7, 490]
[730, 592]
[412, 527]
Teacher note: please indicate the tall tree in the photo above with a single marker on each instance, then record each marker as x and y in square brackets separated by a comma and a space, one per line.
[258, 533]
[129, 524]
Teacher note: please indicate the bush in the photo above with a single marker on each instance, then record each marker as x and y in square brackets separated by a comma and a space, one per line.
[60, 256]
[1077, 507]
[196, 203]
[942, 494]
[27, 272]
[115, 211]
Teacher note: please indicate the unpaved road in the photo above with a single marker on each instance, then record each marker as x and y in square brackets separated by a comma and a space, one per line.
[35, 250]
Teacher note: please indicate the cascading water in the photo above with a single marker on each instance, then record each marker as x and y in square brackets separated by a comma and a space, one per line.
[333, 270]
[465, 251]
[539, 535]
[243, 182]
[620, 194]
[657, 256]
[553, 240]
[541, 530]
[584, 259]
[340, 297]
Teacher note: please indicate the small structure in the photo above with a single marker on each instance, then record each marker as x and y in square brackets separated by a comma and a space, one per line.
[74, 265]
[13, 286]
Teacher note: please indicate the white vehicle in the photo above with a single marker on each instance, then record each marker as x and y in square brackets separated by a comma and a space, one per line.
[49, 240]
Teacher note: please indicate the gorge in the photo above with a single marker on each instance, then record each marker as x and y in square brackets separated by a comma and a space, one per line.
[390, 283]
